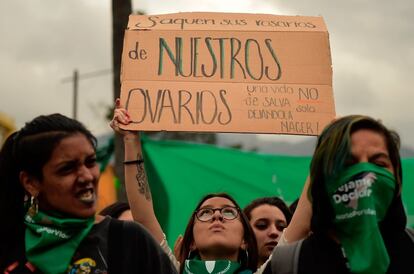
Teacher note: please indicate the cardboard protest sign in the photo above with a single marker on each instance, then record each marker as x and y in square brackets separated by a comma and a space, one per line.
[224, 72]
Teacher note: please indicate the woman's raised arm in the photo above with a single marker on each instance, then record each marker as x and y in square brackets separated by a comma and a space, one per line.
[136, 182]
[299, 226]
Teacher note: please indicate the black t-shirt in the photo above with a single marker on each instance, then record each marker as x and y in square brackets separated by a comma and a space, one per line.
[318, 256]
[91, 255]
[322, 255]
[138, 252]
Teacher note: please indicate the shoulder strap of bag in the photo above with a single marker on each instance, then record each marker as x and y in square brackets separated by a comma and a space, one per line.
[410, 233]
[285, 258]
[114, 246]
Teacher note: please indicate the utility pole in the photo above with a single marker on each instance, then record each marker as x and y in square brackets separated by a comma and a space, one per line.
[75, 94]
[121, 9]
[75, 78]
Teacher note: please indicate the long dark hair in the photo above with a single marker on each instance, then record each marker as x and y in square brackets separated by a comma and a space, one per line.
[332, 152]
[272, 201]
[115, 210]
[247, 263]
[28, 149]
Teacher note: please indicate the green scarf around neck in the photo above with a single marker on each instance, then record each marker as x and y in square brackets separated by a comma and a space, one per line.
[51, 241]
[360, 196]
[196, 266]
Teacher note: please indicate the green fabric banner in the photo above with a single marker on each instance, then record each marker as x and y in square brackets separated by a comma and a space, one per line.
[181, 173]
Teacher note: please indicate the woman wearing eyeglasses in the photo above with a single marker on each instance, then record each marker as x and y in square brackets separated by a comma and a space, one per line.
[218, 237]
[218, 231]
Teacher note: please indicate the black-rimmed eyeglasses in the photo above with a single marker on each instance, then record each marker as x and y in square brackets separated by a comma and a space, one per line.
[206, 214]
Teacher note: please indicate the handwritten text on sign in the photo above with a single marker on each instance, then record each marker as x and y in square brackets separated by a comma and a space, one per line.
[264, 82]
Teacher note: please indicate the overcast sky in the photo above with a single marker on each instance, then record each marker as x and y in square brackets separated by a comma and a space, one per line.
[43, 41]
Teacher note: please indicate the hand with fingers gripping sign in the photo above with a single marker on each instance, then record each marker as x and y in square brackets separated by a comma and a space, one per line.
[121, 117]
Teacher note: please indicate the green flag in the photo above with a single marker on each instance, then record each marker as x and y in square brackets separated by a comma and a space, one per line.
[181, 173]
[408, 189]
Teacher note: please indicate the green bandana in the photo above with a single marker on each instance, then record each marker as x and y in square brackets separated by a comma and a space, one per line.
[360, 196]
[52, 241]
[195, 266]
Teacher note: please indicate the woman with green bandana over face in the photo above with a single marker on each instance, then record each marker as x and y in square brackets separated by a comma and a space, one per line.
[358, 220]
[49, 179]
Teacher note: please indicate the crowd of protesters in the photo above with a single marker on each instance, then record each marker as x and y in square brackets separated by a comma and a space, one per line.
[328, 231]
[348, 219]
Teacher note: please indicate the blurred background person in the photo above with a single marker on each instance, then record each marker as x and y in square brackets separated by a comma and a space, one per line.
[268, 217]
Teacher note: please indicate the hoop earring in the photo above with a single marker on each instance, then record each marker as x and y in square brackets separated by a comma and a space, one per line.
[33, 206]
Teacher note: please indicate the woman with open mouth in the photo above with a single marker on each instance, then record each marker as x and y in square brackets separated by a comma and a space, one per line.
[49, 176]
